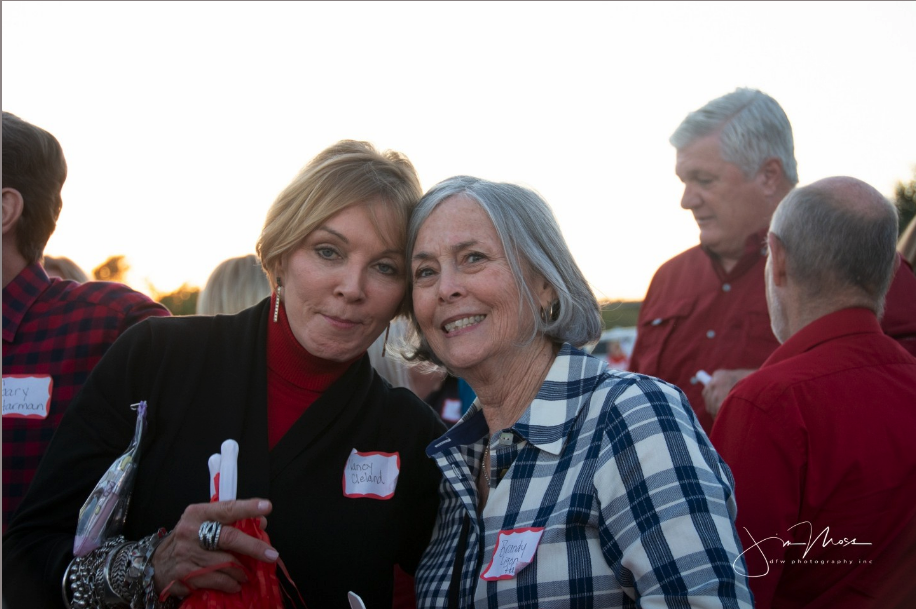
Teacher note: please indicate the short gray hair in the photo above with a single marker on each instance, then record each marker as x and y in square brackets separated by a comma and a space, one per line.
[531, 239]
[838, 238]
[753, 126]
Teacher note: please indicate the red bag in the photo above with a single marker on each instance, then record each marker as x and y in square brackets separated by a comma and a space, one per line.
[262, 591]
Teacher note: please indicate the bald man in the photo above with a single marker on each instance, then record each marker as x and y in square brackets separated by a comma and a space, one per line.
[820, 438]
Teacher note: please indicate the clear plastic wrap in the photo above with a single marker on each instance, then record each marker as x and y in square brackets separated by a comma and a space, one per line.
[105, 510]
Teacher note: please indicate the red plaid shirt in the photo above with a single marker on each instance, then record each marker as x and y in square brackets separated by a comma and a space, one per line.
[62, 329]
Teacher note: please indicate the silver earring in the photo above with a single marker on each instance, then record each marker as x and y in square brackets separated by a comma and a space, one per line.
[277, 303]
[550, 312]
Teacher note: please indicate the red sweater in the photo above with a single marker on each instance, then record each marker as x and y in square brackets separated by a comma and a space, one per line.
[295, 377]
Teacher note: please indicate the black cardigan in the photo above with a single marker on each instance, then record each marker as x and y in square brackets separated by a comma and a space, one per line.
[205, 380]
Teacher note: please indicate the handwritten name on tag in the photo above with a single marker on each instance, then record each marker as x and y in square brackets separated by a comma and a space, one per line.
[372, 475]
[513, 552]
[26, 397]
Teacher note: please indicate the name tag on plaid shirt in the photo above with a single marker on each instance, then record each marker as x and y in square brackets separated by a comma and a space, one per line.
[371, 475]
[26, 397]
[513, 552]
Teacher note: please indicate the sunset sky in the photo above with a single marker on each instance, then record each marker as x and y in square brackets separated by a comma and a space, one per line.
[182, 121]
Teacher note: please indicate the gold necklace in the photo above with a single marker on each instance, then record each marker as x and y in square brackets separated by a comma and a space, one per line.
[483, 464]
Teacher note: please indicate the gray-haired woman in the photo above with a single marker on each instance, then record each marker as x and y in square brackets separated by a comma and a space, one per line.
[566, 483]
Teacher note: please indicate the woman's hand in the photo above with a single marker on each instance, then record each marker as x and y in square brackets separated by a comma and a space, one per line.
[181, 553]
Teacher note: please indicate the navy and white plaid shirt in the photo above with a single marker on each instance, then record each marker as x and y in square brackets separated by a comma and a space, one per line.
[635, 504]
[61, 329]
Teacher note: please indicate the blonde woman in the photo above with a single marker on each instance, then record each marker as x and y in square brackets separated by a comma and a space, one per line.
[288, 379]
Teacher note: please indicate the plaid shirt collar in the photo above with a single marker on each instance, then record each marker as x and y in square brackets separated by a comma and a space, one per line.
[19, 296]
[570, 381]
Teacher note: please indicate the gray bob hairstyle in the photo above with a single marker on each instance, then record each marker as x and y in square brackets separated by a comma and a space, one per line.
[753, 126]
[532, 242]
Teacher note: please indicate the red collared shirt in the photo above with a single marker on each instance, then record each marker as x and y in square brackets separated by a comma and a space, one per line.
[62, 329]
[698, 317]
[823, 434]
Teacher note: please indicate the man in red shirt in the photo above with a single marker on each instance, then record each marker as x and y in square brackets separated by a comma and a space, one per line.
[705, 310]
[820, 438]
[54, 331]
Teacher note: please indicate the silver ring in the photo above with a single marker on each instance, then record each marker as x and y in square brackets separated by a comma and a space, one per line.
[208, 534]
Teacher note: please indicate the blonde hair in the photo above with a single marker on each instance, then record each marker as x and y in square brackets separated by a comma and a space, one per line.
[347, 173]
[234, 285]
[907, 244]
[63, 267]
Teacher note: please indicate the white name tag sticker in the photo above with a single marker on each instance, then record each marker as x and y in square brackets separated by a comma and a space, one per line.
[26, 396]
[513, 552]
[371, 475]
[451, 410]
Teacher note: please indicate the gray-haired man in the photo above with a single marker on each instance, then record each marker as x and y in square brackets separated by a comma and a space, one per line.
[705, 310]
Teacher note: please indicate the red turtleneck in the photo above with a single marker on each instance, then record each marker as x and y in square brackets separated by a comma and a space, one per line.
[295, 377]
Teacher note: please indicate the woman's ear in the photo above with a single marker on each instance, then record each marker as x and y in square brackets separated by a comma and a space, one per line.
[546, 295]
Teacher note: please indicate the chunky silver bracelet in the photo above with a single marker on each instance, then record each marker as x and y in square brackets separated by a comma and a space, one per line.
[141, 571]
[81, 579]
[115, 590]
[117, 574]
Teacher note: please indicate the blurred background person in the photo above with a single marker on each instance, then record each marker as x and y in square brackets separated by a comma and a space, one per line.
[566, 482]
[907, 244]
[54, 331]
[616, 357]
[234, 285]
[449, 396]
[443, 392]
[64, 268]
[328, 452]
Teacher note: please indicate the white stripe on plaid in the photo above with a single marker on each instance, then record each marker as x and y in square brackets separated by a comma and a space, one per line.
[634, 501]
